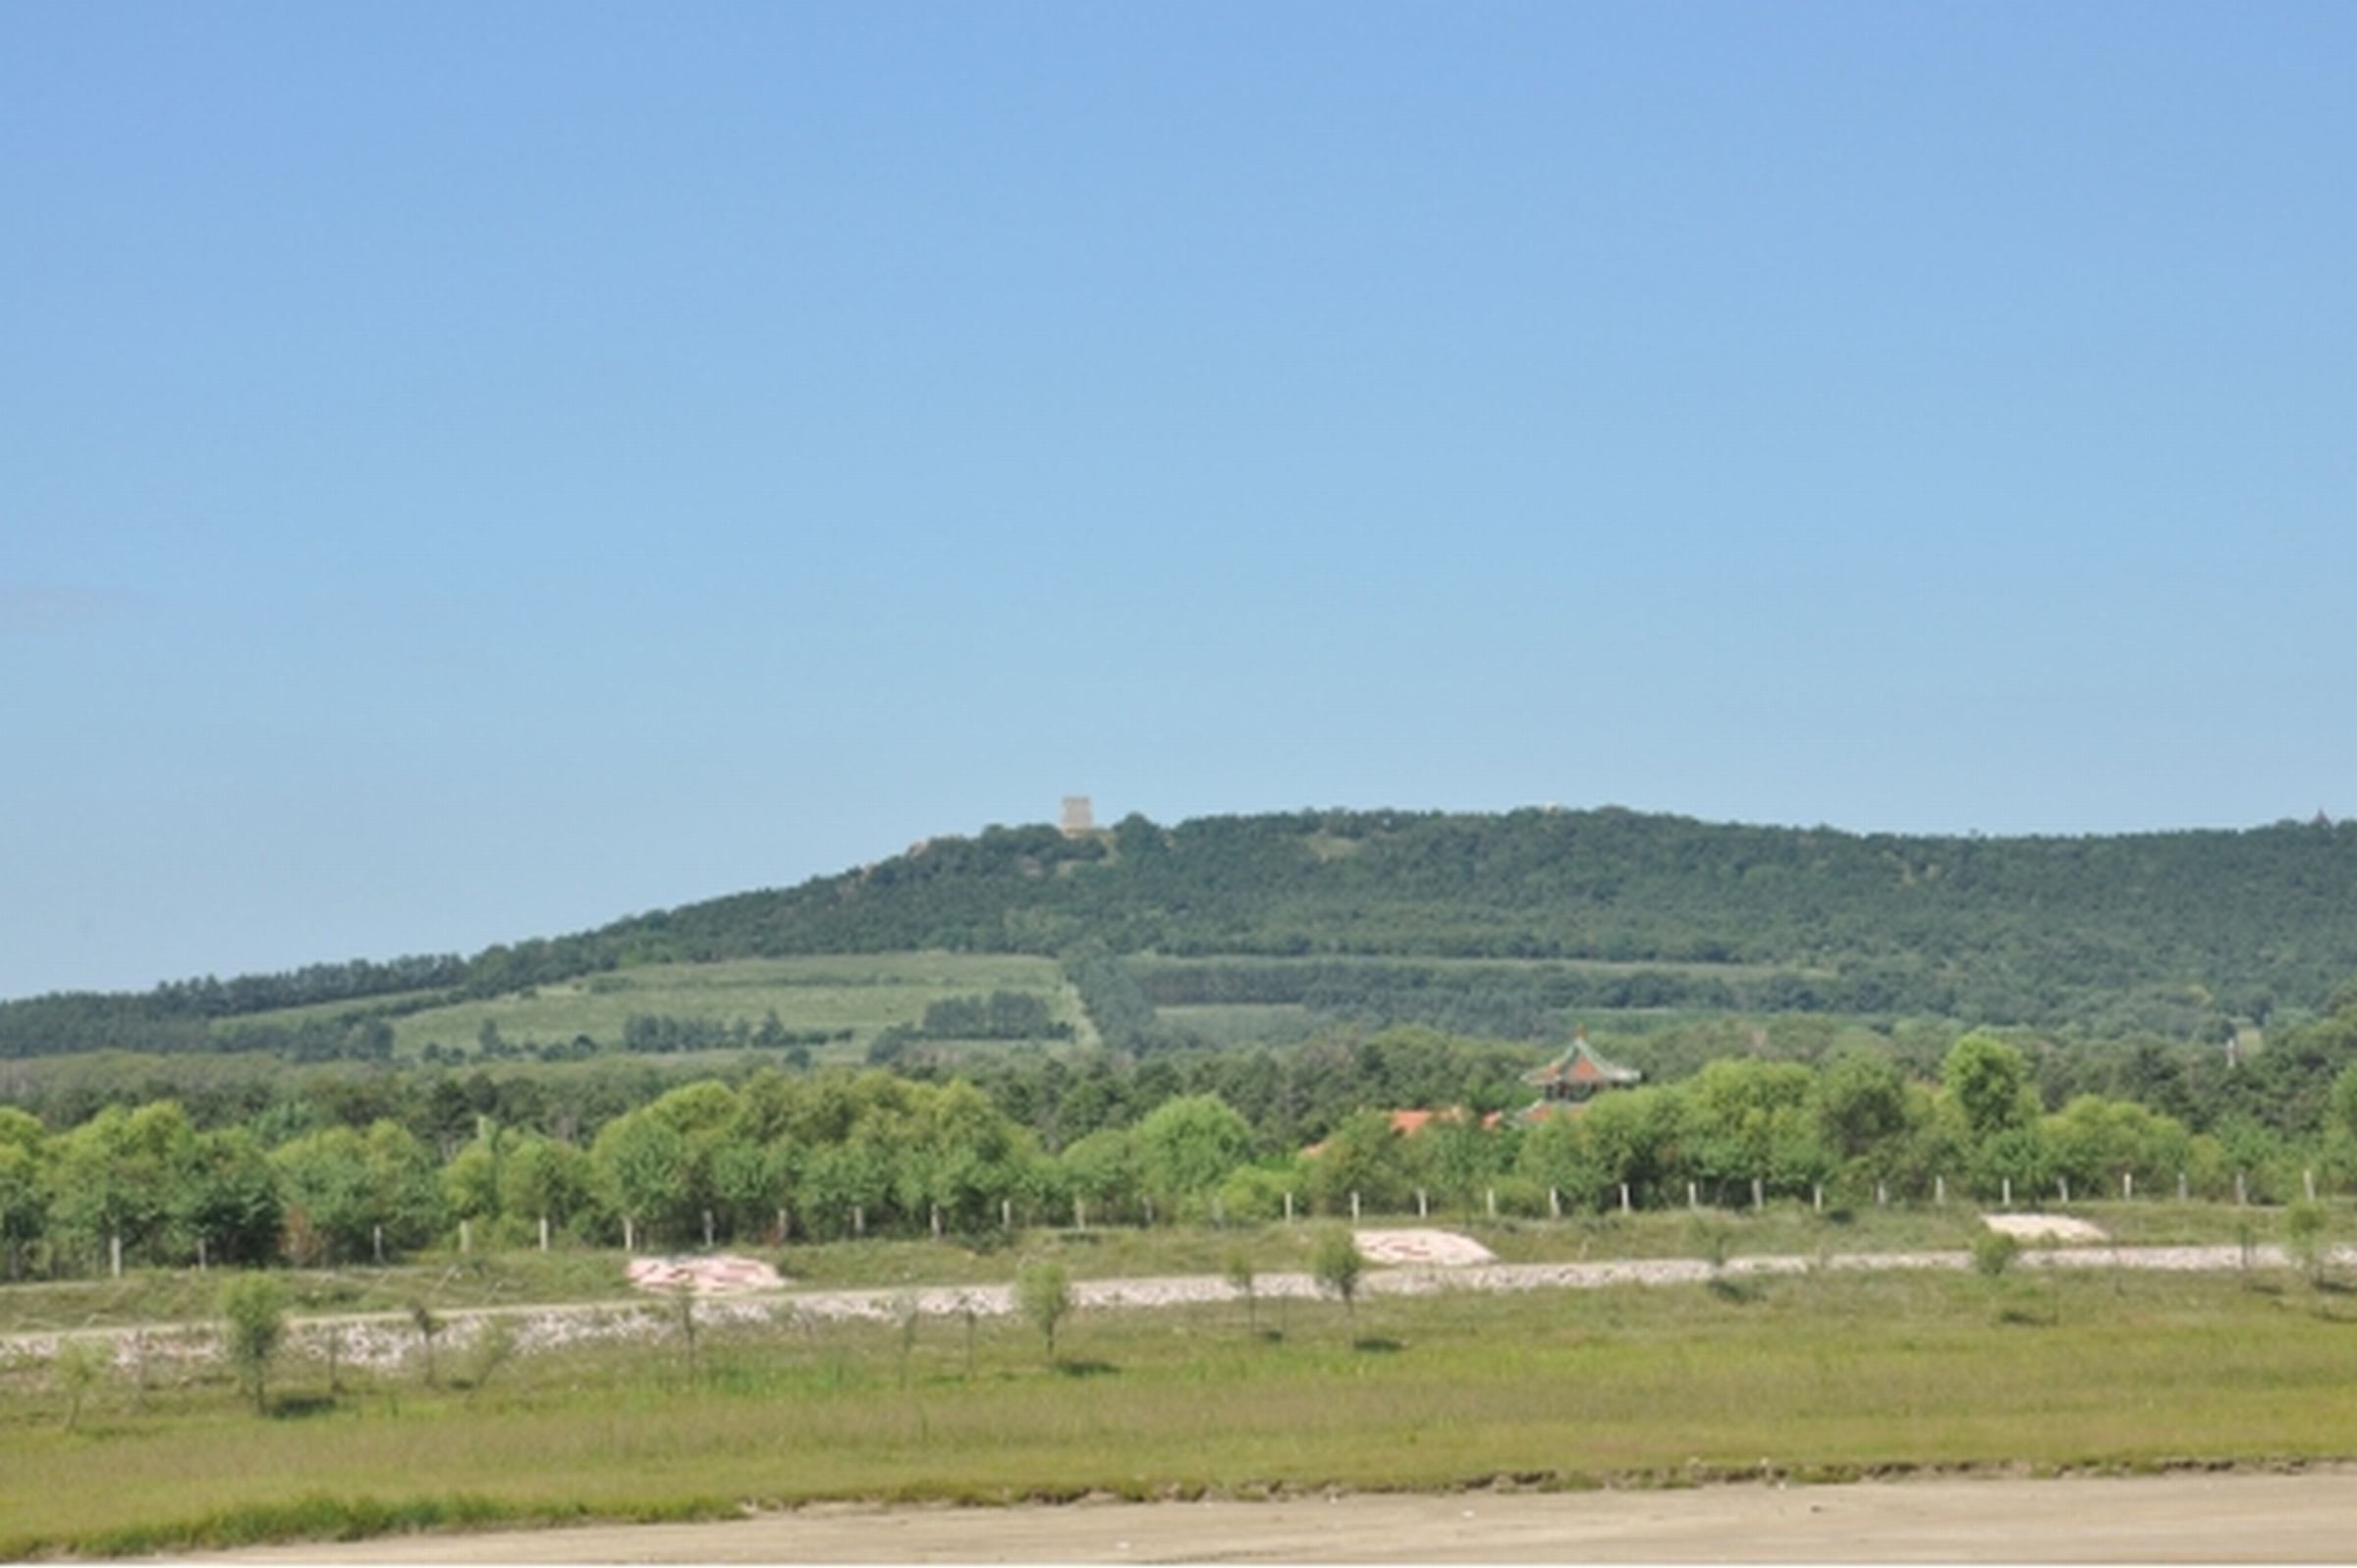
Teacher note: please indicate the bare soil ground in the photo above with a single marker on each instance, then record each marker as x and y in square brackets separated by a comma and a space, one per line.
[2201, 1517]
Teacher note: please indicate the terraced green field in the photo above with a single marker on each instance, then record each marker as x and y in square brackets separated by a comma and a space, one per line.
[862, 994]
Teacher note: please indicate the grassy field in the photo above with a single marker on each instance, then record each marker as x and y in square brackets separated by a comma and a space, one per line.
[1815, 1377]
[1151, 963]
[450, 1281]
[862, 992]
[1244, 1024]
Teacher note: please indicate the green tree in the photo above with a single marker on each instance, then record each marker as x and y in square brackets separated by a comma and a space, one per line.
[227, 1198]
[115, 1175]
[2304, 1238]
[1861, 1103]
[470, 1181]
[542, 1176]
[23, 1204]
[2341, 1102]
[1101, 1167]
[1637, 1135]
[1364, 1156]
[1459, 1156]
[645, 1163]
[1242, 1280]
[1187, 1147]
[1043, 1295]
[254, 1312]
[1336, 1265]
[79, 1366]
[1559, 1152]
[2019, 1157]
[345, 1185]
[1989, 1083]
[961, 1156]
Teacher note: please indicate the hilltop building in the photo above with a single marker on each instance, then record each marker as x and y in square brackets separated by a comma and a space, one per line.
[1567, 1084]
[1078, 818]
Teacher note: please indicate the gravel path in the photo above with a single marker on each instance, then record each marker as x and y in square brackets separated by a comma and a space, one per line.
[2193, 1517]
[386, 1339]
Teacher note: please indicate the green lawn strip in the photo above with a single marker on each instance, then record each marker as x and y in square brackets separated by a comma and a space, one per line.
[1817, 1377]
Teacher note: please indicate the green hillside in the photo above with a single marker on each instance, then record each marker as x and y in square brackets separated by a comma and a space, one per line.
[1501, 923]
[837, 1005]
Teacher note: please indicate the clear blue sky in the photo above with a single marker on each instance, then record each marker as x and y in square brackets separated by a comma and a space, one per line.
[472, 471]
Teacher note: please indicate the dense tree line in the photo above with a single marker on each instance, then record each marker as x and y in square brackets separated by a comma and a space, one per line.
[357, 1165]
[838, 1153]
[2175, 934]
[1000, 1015]
[1292, 1094]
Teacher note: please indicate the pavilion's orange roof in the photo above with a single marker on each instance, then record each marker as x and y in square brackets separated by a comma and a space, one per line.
[1580, 1064]
[1407, 1123]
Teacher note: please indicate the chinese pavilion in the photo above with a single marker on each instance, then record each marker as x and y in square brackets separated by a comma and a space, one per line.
[1572, 1079]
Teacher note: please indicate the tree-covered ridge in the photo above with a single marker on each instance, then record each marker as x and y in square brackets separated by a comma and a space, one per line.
[2177, 930]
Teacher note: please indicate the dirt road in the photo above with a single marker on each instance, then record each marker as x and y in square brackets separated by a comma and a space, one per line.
[385, 1339]
[2310, 1516]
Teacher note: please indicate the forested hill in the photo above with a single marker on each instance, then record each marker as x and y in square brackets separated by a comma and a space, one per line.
[2190, 928]
[2232, 923]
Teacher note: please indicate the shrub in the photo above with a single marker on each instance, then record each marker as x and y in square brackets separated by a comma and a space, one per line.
[1242, 1280]
[255, 1313]
[494, 1348]
[1256, 1192]
[1043, 1295]
[1334, 1263]
[2304, 1238]
[79, 1366]
[1994, 1252]
[1714, 1239]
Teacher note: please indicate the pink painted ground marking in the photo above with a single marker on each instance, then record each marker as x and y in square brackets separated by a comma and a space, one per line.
[723, 1275]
